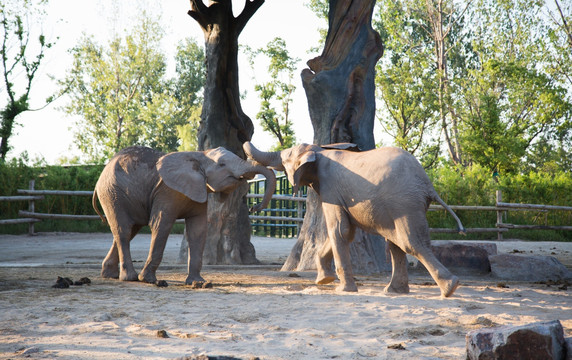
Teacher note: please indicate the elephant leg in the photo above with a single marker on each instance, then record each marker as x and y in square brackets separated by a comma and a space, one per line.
[324, 264]
[196, 236]
[110, 265]
[340, 234]
[399, 283]
[447, 282]
[414, 239]
[160, 230]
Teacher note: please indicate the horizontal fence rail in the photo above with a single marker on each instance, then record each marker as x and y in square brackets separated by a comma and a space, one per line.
[285, 213]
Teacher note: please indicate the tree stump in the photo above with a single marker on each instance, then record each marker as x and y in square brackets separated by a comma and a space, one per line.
[223, 123]
[340, 88]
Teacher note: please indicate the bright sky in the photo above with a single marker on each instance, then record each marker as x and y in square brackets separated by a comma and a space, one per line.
[48, 132]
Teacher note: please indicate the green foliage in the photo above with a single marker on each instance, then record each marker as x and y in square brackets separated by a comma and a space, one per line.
[17, 174]
[16, 59]
[476, 185]
[123, 96]
[473, 185]
[495, 79]
[410, 109]
[276, 92]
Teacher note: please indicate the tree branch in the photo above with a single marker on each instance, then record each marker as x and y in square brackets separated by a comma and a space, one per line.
[250, 7]
[200, 13]
[565, 24]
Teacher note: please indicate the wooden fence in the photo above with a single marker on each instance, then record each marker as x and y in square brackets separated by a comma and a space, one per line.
[293, 219]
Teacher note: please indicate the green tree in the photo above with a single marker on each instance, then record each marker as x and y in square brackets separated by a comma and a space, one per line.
[483, 74]
[20, 55]
[511, 98]
[277, 92]
[123, 95]
[409, 107]
[188, 89]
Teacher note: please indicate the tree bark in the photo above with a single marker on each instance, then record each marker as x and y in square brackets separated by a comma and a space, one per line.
[340, 88]
[223, 123]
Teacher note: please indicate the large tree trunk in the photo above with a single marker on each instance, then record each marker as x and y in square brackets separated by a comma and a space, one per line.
[340, 87]
[223, 123]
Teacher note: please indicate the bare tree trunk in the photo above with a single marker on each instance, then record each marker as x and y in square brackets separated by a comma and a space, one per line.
[340, 87]
[223, 123]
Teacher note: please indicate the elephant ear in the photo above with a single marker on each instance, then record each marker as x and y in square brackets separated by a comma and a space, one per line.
[341, 146]
[181, 171]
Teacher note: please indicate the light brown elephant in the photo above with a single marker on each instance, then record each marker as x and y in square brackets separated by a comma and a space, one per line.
[141, 186]
[383, 191]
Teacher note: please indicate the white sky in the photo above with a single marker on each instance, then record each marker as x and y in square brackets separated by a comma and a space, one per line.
[48, 133]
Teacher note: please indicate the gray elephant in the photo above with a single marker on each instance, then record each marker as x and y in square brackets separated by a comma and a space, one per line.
[383, 191]
[141, 186]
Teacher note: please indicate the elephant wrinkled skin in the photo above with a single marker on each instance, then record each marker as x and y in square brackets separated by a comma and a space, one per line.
[141, 186]
[383, 191]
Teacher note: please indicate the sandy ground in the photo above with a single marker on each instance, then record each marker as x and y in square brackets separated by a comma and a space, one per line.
[251, 311]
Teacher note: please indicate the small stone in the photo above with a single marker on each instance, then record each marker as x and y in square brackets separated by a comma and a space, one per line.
[62, 283]
[396, 347]
[293, 275]
[162, 334]
[82, 281]
[161, 283]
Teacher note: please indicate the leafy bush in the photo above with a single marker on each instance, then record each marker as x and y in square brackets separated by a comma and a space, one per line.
[17, 175]
[470, 186]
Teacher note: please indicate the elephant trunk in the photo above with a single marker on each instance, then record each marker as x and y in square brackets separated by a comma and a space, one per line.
[271, 159]
[269, 189]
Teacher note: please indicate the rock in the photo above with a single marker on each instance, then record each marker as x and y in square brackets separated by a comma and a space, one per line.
[162, 334]
[542, 341]
[82, 281]
[532, 268]
[465, 257]
[161, 283]
[568, 348]
[62, 283]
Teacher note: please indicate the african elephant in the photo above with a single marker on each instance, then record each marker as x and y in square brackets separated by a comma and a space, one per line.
[141, 186]
[383, 191]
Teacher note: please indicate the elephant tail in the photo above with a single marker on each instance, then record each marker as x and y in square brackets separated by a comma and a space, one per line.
[94, 204]
[460, 228]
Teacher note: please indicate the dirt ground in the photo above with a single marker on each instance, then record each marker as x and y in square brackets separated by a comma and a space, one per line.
[251, 311]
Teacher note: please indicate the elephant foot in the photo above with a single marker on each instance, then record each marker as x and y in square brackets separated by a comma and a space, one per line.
[147, 277]
[448, 287]
[194, 279]
[128, 276]
[324, 278]
[347, 287]
[110, 273]
[392, 289]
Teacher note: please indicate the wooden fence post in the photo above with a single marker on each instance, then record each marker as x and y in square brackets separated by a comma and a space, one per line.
[31, 207]
[499, 215]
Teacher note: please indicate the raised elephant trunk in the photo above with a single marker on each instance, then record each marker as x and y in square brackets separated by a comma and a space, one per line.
[270, 186]
[271, 159]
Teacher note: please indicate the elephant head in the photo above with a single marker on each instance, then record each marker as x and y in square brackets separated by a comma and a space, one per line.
[298, 161]
[218, 170]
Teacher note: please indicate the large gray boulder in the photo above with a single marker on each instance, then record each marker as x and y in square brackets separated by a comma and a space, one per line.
[542, 341]
[528, 268]
[464, 257]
